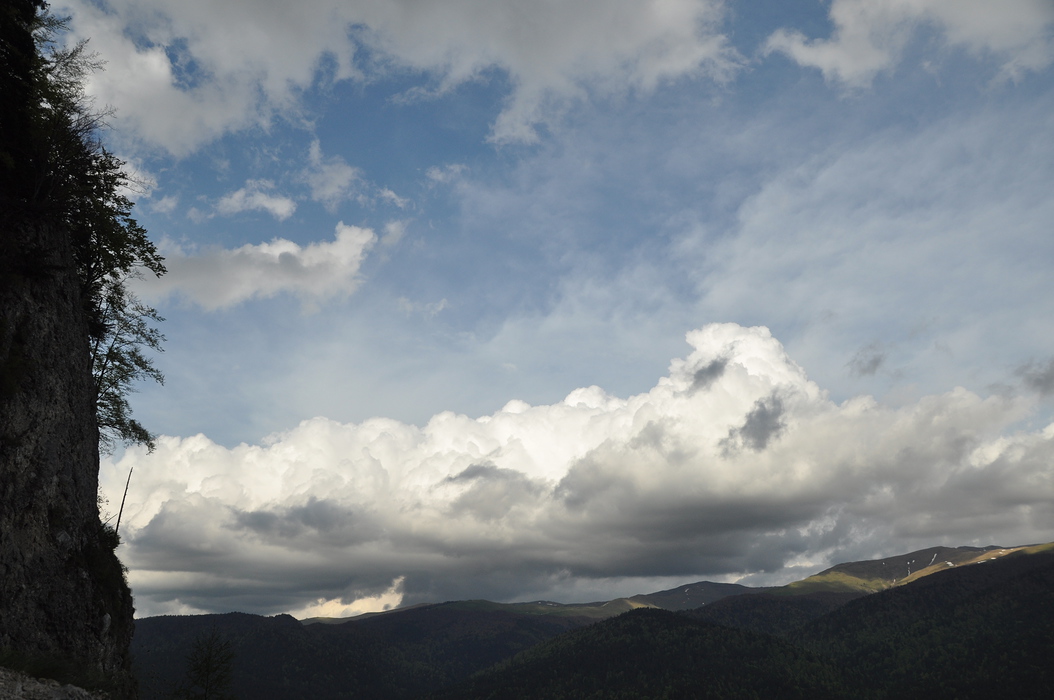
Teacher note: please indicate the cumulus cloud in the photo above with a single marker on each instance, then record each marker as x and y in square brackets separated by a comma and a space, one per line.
[220, 278]
[386, 600]
[181, 73]
[593, 488]
[870, 35]
[165, 205]
[257, 195]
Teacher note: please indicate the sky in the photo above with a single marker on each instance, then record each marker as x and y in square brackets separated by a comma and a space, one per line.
[575, 299]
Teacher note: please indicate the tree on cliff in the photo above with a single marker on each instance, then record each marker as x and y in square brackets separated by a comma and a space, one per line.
[81, 185]
[63, 594]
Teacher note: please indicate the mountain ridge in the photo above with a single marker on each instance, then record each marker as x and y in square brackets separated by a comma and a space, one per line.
[434, 649]
[976, 631]
[864, 576]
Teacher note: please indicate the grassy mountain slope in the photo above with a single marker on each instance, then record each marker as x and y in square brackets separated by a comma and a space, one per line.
[693, 595]
[980, 631]
[879, 574]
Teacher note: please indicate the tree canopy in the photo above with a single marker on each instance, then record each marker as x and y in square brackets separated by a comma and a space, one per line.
[55, 170]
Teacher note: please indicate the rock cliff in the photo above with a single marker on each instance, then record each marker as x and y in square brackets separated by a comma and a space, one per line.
[65, 607]
[63, 595]
[17, 686]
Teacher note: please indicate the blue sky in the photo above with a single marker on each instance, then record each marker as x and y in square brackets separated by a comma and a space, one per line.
[432, 266]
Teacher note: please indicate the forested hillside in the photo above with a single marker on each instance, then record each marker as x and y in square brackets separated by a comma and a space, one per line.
[979, 631]
[966, 631]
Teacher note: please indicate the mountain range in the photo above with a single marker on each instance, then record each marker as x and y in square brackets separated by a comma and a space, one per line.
[939, 622]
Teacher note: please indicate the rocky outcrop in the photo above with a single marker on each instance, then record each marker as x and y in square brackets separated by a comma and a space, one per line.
[18, 686]
[63, 595]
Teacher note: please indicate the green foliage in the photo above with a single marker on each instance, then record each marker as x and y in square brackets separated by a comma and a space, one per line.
[76, 183]
[108, 537]
[118, 361]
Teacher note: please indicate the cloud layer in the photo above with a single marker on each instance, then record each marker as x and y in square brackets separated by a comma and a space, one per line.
[256, 196]
[219, 278]
[181, 75]
[734, 463]
[183, 72]
[870, 35]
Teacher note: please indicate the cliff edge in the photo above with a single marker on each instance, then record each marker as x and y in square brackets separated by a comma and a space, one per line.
[63, 596]
[65, 607]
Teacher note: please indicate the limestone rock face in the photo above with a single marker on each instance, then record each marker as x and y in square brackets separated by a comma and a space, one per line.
[62, 589]
[18, 686]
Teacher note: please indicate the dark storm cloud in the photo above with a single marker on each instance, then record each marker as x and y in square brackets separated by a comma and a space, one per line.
[763, 424]
[483, 472]
[318, 518]
[492, 492]
[256, 561]
[707, 375]
[1038, 376]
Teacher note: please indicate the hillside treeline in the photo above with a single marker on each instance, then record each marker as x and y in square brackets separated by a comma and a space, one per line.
[977, 631]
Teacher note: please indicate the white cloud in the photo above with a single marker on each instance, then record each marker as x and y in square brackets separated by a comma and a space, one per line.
[331, 179]
[870, 35]
[388, 196]
[338, 607]
[219, 278]
[165, 205]
[688, 479]
[249, 60]
[255, 196]
[393, 233]
[139, 182]
[447, 174]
